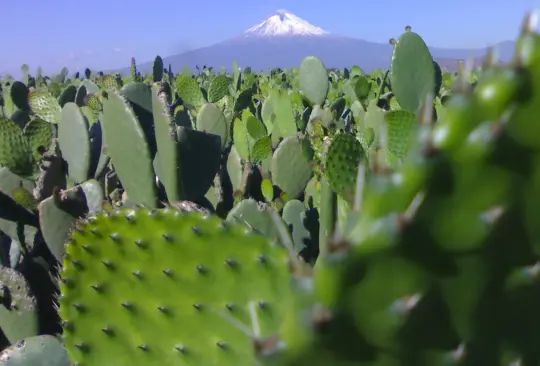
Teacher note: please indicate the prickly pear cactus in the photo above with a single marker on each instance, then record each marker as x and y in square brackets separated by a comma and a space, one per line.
[189, 283]
[387, 218]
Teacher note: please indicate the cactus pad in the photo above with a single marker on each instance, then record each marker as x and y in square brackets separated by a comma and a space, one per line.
[314, 80]
[15, 153]
[344, 155]
[45, 105]
[189, 91]
[219, 87]
[39, 135]
[413, 73]
[18, 312]
[291, 169]
[180, 279]
[400, 127]
[43, 350]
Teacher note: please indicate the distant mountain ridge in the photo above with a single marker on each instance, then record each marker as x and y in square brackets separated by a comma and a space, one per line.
[284, 39]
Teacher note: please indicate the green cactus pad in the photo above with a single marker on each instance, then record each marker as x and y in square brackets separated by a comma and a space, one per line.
[74, 142]
[39, 135]
[255, 215]
[255, 128]
[57, 214]
[294, 214]
[91, 87]
[18, 94]
[45, 105]
[219, 87]
[212, 120]
[361, 87]
[413, 73]
[111, 82]
[198, 174]
[81, 96]
[15, 152]
[18, 316]
[17, 230]
[285, 121]
[400, 127]
[44, 350]
[129, 150]
[94, 103]
[67, 95]
[242, 139]
[243, 100]
[314, 80]
[267, 112]
[235, 169]
[262, 149]
[344, 155]
[139, 96]
[291, 169]
[188, 89]
[168, 158]
[180, 279]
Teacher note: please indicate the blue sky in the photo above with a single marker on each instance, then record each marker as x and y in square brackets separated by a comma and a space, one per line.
[106, 33]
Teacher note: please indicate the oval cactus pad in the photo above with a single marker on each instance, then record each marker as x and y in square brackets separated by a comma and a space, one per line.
[190, 284]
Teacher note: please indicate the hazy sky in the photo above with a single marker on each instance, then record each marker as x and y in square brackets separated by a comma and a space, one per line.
[106, 33]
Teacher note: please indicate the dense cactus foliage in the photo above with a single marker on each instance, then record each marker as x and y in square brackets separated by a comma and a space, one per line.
[291, 217]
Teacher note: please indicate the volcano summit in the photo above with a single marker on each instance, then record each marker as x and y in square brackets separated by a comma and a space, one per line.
[284, 23]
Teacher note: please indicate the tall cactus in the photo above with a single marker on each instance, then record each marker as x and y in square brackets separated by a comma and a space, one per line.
[134, 74]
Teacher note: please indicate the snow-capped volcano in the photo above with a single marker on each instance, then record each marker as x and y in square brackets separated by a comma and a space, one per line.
[284, 23]
[284, 40]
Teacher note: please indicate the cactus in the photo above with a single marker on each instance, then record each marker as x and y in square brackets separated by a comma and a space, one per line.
[44, 349]
[412, 80]
[134, 74]
[290, 167]
[157, 69]
[121, 284]
[132, 157]
[292, 217]
[74, 141]
[19, 316]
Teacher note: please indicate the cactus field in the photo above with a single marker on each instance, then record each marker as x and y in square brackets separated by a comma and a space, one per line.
[298, 217]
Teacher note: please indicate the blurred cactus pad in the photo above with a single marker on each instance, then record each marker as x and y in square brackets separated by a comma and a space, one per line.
[292, 217]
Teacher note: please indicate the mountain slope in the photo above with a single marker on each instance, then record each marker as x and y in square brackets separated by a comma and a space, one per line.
[284, 39]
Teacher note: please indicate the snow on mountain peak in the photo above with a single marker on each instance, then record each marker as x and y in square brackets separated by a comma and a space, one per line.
[284, 23]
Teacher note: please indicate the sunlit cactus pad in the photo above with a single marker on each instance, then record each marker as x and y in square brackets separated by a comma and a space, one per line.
[162, 287]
